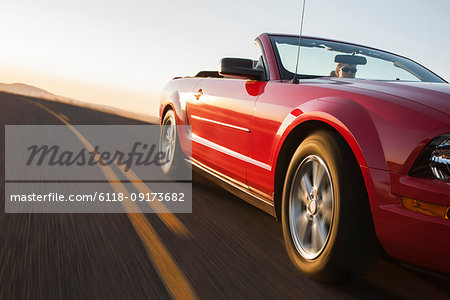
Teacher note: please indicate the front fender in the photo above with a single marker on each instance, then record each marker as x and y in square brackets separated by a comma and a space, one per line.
[173, 101]
[176, 94]
[353, 122]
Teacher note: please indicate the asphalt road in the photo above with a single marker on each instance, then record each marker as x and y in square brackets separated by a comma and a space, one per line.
[225, 248]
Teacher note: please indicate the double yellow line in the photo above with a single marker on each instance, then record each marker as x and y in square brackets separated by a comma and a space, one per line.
[173, 278]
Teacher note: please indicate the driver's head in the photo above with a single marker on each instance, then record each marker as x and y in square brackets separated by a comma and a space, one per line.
[346, 70]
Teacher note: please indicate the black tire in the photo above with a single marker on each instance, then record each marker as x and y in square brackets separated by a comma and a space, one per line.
[175, 163]
[350, 246]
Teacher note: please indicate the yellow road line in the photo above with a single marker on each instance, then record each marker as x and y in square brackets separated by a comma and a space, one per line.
[64, 117]
[171, 221]
[171, 275]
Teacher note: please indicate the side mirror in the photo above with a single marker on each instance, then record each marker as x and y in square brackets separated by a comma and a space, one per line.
[240, 68]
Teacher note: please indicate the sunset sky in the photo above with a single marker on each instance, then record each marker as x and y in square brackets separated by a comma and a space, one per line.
[121, 53]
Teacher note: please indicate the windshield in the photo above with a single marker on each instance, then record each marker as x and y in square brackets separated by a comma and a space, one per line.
[335, 59]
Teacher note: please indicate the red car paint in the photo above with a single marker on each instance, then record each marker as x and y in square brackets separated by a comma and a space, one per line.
[239, 127]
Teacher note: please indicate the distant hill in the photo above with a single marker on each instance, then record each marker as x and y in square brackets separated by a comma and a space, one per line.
[30, 91]
[35, 92]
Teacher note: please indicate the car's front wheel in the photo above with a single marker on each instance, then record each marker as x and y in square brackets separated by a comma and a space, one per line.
[326, 219]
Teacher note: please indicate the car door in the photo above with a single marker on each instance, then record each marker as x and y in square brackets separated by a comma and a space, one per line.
[220, 114]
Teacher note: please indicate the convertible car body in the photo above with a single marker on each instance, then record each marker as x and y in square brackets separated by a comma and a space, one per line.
[350, 152]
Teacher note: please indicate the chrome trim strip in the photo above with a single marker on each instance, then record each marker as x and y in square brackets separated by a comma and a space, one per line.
[264, 195]
[229, 152]
[229, 181]
[220, 123]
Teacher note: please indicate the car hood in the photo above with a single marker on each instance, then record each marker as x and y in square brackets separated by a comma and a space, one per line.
[433, 95]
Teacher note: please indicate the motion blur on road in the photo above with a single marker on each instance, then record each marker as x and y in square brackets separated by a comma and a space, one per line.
[224, 249]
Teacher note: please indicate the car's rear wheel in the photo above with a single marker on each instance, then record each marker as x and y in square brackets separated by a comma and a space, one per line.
[326, 218]
[170, 145]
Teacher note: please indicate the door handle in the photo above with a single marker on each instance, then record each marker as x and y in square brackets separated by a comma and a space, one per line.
[198, 94]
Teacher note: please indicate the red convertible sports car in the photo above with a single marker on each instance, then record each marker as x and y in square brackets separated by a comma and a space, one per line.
[350, 149]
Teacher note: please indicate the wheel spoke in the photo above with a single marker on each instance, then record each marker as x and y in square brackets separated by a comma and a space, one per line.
[302, 194]
[296, 209]
[322, 232]
[314, 246]
[302, 225]
[168, 142]
[318, 174]
[326, 204]
[306, 184]
[172, 129]
[167, 152]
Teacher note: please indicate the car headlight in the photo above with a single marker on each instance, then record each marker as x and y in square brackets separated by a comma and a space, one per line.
[434, 161]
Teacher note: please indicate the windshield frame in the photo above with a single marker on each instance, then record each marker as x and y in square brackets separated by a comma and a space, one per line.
[287, 75]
